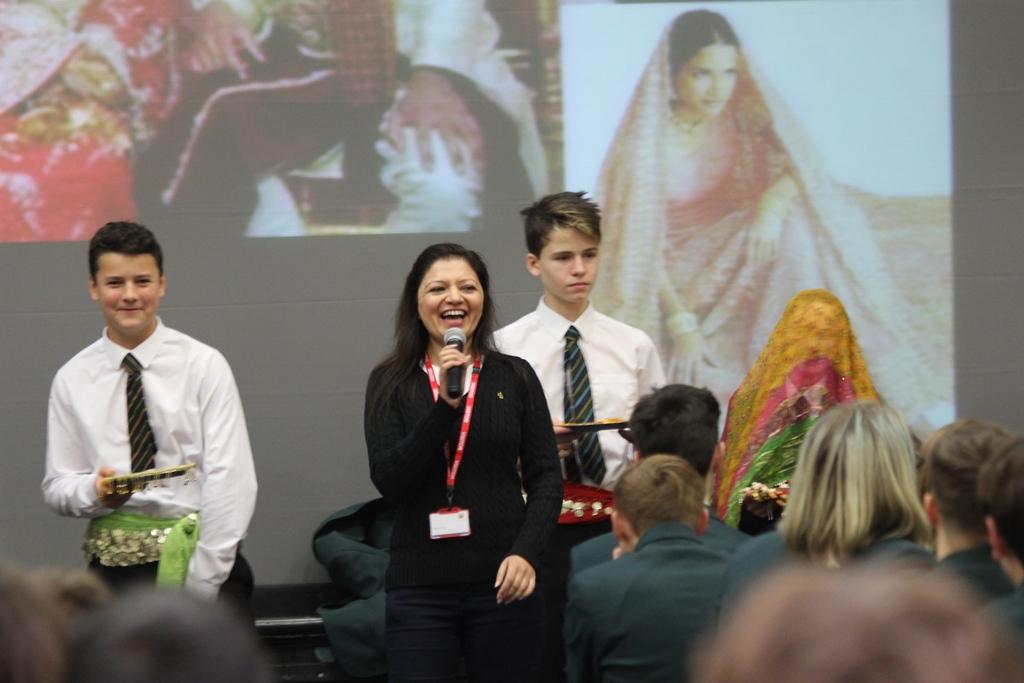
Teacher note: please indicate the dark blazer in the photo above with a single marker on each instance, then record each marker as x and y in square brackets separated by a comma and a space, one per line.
[976, 568]
[637, 618]
[1009, 610]
[352, 545]
[766, 552]
[718, 536]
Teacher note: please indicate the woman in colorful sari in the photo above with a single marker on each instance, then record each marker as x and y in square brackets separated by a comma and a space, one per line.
[719, 209]
[811, 362]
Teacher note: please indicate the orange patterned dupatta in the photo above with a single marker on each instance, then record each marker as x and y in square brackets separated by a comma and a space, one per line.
[811, 362]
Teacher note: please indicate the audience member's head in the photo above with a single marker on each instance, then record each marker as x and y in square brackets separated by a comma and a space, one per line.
[31, 632]
[854, 485]
[677, 419]
[75, 592]
[811, 625]
[161, 636]
[953, 458]
[656, 490]
[1001, 490]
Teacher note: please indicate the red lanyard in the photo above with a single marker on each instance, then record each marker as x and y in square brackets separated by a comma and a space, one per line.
[467, 415]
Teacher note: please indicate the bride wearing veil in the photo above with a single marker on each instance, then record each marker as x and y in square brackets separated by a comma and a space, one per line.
[718, 210]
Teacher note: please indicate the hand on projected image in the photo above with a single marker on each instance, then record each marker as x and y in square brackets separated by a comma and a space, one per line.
[430, 103]
[436, 199]
[763, 239]
[690, 354]
[770, 215]
[222, 39]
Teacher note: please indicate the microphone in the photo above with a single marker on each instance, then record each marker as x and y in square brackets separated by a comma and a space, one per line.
[454, 336]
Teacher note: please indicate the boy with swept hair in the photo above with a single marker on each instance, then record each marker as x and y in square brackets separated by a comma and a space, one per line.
[620, 363]
[1001, 490]
[591, 367]
[638, 617]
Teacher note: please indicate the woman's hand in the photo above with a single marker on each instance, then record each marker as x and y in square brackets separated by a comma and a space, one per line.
[516, 580]
[772, 210]
[431, 102]
[223, 41]
[688, 344]
[451, 357]
[763, 242]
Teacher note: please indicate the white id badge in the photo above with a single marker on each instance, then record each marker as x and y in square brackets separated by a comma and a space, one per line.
[449, 523]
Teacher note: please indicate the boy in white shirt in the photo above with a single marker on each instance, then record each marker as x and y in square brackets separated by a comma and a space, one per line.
[145, 397]
[619, 365]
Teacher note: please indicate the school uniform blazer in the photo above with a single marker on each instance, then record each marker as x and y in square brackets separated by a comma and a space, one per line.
[977, 570]
[1009, 611]
[761, 554]
[718, 536]
[638, 617]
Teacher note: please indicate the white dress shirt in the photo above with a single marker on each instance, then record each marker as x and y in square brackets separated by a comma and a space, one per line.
[622, 364]
[196, 416]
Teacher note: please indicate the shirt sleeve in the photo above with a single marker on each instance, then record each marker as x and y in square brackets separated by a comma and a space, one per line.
[227, 477]
[69, 480]
[650, 375]
[542, 479]
[398, 454]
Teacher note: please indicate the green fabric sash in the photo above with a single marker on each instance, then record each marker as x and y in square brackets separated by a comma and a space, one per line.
[179, 540]
[773, 463]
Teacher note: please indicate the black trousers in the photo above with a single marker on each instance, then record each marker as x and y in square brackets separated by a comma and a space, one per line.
[431, 628]
[553, 582]
[236, 589]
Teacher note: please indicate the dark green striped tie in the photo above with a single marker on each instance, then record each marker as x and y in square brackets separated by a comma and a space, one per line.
[579, 407]
[139, 432]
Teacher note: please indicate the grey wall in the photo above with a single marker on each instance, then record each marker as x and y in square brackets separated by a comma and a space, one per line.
[988, 209]
[303, 320]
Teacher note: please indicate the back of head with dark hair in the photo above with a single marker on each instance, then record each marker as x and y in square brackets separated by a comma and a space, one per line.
[564, 210]
[953, 458]
[1001, 490]
[411, 338]
[677, 419]
[124, 237]
[691, 32]
[162, 636]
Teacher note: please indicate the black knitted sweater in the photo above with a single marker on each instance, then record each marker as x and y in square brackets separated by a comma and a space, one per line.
[510, 425]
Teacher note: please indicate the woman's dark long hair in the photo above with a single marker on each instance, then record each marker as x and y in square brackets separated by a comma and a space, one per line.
[411, 337]
[692, 32]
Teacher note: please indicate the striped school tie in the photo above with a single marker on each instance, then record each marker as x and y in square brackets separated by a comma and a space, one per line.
[139, 432]
[579, 407]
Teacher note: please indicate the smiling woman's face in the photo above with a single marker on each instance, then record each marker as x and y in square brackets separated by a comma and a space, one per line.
[450, 295]
[705, 84]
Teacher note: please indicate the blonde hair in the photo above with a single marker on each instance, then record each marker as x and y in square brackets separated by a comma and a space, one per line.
[657, 489]
[854, 485]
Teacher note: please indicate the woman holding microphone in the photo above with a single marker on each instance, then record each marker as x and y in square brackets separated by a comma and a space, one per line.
[466, 540]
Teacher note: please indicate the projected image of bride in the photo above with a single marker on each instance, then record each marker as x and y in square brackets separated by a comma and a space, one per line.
[718, 207]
